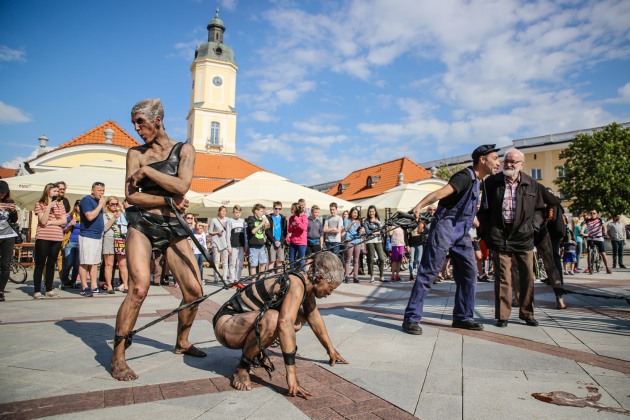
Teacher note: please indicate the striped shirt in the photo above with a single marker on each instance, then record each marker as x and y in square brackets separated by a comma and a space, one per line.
[509, 199]
[50, 232]
[594, 227]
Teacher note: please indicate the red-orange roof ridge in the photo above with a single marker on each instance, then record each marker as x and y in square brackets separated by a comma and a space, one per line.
[388, 178]
[96, 135]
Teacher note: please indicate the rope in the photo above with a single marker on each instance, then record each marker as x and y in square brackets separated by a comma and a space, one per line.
[395, 221]
[571, 292]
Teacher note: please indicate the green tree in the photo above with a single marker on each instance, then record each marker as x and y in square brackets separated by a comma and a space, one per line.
[597, 171]
[445, 172]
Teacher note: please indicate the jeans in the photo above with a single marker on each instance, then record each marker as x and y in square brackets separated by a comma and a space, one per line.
[578, 252]
[71, 255]
[333, 247]
[352, 258]
[415, 255]
[298, 251]
[46, 253]
[236, 264]
[200, 259]
[6, 252]
[376, 247]
[617, 251]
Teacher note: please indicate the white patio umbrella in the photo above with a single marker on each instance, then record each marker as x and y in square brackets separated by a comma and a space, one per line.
[402, 197]
[27, 190]
[265, 188]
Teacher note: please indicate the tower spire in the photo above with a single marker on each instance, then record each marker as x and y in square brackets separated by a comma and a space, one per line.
[216, 29]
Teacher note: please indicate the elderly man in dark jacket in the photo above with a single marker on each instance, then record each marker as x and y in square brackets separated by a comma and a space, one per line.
[512, 212]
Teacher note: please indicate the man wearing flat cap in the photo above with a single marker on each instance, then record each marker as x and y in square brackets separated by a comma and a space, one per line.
[511, 213]
[449, 232]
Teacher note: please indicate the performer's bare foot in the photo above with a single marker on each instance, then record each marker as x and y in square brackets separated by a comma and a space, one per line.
[122, 372]
[241, 380]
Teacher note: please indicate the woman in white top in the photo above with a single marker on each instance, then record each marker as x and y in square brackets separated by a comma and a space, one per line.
[218, 237]
[200, 234]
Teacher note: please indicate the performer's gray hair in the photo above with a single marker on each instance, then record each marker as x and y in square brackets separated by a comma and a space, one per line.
[328, 266]
[152, 108]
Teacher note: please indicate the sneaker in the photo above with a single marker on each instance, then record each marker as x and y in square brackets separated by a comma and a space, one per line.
[2, 299]
[608, 271]
[412, 328]
[622, 266]
[87, 292]
[110, 292]
[96, 291]
[372, 280]
[52, 294]
[38, 295]
[355, 280]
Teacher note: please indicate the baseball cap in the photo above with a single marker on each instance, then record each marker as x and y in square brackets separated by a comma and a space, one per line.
[484, 150]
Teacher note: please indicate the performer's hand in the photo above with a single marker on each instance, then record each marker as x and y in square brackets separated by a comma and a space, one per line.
[181, 203]
[336, 357]
[138, 176]
[295, 389]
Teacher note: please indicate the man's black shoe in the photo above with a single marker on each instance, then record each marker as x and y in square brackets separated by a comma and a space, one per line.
[501, 323]
[468, 325]
[622, 266]
[412, 328]
[531, 322]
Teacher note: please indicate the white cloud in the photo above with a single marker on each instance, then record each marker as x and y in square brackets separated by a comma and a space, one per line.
[15, 162]
[10, 54]
[229, 5]
[11, 115]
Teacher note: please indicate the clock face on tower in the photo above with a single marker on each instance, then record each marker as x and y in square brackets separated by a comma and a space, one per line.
[217, 81]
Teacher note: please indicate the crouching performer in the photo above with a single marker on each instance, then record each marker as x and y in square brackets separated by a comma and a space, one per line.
[158, 175]
[273, 308]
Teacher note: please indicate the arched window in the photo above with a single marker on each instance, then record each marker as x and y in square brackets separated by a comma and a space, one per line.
[215, 131]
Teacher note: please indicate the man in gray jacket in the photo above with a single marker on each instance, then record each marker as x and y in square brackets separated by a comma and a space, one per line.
[511, 213]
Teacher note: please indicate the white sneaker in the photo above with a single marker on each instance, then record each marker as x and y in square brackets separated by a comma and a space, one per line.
[52, 294]
[38, 295]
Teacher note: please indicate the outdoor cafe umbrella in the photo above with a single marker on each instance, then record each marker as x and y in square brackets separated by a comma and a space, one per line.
[27, 190]
[265, 188]
[402, 197]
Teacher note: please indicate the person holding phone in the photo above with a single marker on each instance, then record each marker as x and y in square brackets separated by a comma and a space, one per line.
[51, 218]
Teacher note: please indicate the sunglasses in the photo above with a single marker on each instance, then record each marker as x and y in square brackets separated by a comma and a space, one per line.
[277, 208]
[98, 184]
[511, 162]
[114, 204]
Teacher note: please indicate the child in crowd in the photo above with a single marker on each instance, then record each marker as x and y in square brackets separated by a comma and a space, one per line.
[568, 257]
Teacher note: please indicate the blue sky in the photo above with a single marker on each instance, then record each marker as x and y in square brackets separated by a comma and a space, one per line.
[324, 87]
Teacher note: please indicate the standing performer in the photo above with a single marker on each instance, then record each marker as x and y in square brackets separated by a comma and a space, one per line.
[270, 308]
[449, 231]
[157, 172]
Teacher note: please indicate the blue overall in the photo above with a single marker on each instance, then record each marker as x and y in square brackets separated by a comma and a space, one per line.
[449, 231]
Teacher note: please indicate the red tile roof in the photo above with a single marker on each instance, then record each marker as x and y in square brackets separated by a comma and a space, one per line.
[384, 176]
[205, 185]
[223, 166]
[96, 136]
[7, 172]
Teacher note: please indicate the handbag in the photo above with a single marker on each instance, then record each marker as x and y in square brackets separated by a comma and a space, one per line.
[16, 228]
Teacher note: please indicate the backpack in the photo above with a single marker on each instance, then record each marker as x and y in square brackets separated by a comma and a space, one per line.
[555, 222]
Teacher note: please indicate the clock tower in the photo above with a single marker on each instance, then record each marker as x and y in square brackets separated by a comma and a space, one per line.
[212, 115]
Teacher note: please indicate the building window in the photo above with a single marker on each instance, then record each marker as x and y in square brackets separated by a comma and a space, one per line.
[536, 173]
[561, 172]
[215, 129]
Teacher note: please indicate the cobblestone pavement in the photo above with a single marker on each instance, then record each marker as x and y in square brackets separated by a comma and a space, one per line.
[55, 357]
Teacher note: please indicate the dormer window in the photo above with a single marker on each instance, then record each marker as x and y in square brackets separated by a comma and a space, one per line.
[371, 181]
[341, 188]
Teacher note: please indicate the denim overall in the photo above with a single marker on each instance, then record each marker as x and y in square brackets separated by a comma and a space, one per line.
[449, 231]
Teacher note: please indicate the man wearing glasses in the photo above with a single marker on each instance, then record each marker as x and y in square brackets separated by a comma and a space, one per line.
[91, 237]
[276, 235]
[512, 212]
[597, 230]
